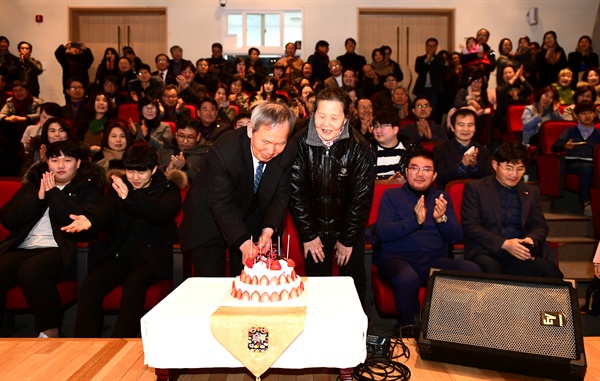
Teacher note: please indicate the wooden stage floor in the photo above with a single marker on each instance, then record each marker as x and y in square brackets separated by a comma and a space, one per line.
[123, 359]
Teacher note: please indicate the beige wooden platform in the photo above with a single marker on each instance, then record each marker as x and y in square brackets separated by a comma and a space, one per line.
[123, 359]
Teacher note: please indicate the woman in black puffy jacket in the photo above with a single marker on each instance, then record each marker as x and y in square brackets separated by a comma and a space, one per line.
[332, 189]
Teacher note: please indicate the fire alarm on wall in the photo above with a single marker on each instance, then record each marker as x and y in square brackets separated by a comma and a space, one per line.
[39, 18]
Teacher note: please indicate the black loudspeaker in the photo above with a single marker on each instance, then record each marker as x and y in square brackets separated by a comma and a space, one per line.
[506, 323]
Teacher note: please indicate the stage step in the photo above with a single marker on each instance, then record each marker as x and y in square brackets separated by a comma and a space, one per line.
[569, 225]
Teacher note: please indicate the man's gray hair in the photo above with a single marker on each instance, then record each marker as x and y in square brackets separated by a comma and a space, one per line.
[271, 114]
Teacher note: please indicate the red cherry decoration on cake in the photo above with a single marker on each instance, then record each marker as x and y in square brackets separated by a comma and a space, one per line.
[291, 262]
[249, 262]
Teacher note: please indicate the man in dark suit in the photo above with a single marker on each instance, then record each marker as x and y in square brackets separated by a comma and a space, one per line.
[429, 82]
[351, 60]
[163, 72]
[242, 192]
[503, 223]
[320, 60]
[462, 157]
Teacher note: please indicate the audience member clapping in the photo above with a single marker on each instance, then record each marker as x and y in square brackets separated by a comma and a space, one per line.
[150, 128]
[186, 151]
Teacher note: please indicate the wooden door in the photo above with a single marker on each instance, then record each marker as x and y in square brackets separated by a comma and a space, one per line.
[405, 31]
[145, 30]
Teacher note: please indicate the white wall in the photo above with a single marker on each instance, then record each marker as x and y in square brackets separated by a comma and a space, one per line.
[196, 24]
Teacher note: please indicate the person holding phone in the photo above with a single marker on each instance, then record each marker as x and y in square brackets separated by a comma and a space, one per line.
[504, 230]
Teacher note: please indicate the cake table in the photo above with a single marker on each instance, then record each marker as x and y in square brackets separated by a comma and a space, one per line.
[176, 333]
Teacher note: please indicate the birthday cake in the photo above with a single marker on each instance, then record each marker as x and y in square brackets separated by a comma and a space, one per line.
[267, 279]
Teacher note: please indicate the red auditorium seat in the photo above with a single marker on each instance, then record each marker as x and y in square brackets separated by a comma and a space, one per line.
[284, 94]
[128, 111]
[406, 122]
[595, 191]
[171, 125]
[514, 123]
[295, 246]
[236, 108]
[429, 146]
[193, 110]
[455, 190]
[380, 188]
[551, 166]
[384, 295]
[382, 292]
[8, 187]
[15, 300]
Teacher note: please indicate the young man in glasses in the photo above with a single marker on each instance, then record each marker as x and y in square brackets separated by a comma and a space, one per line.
[187, 150]
[504, 226]
[415, 224]
[388, 149]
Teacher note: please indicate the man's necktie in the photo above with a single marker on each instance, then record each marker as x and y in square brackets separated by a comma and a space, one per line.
[258, 175]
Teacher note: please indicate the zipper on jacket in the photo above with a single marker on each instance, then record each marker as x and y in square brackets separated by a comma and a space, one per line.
[326, 170]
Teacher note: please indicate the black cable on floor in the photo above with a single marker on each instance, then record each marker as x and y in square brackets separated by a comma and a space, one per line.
[385, 367]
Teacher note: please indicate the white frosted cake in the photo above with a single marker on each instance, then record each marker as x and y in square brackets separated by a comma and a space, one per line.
[270, 280]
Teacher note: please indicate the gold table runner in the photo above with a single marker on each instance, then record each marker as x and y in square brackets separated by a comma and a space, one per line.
[257, 335]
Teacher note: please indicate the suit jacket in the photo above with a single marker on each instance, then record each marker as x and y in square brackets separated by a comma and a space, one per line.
[482, 219]
[169, 78]
[221, 199]
[331, 82]
[434, 68]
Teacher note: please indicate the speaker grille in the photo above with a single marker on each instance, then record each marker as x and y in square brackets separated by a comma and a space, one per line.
[503, 315]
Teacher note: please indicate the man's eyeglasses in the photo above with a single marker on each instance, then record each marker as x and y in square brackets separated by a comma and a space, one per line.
[416, 169]
[185, 137]
[381, 126]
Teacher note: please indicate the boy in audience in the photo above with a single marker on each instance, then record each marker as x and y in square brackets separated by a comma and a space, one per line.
[579, 143]
[462, 157]
[388, 148]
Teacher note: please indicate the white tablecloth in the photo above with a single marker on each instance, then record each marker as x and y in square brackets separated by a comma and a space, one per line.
[176, 333]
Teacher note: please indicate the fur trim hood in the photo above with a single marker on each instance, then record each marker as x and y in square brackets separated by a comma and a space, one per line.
[89, 171]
